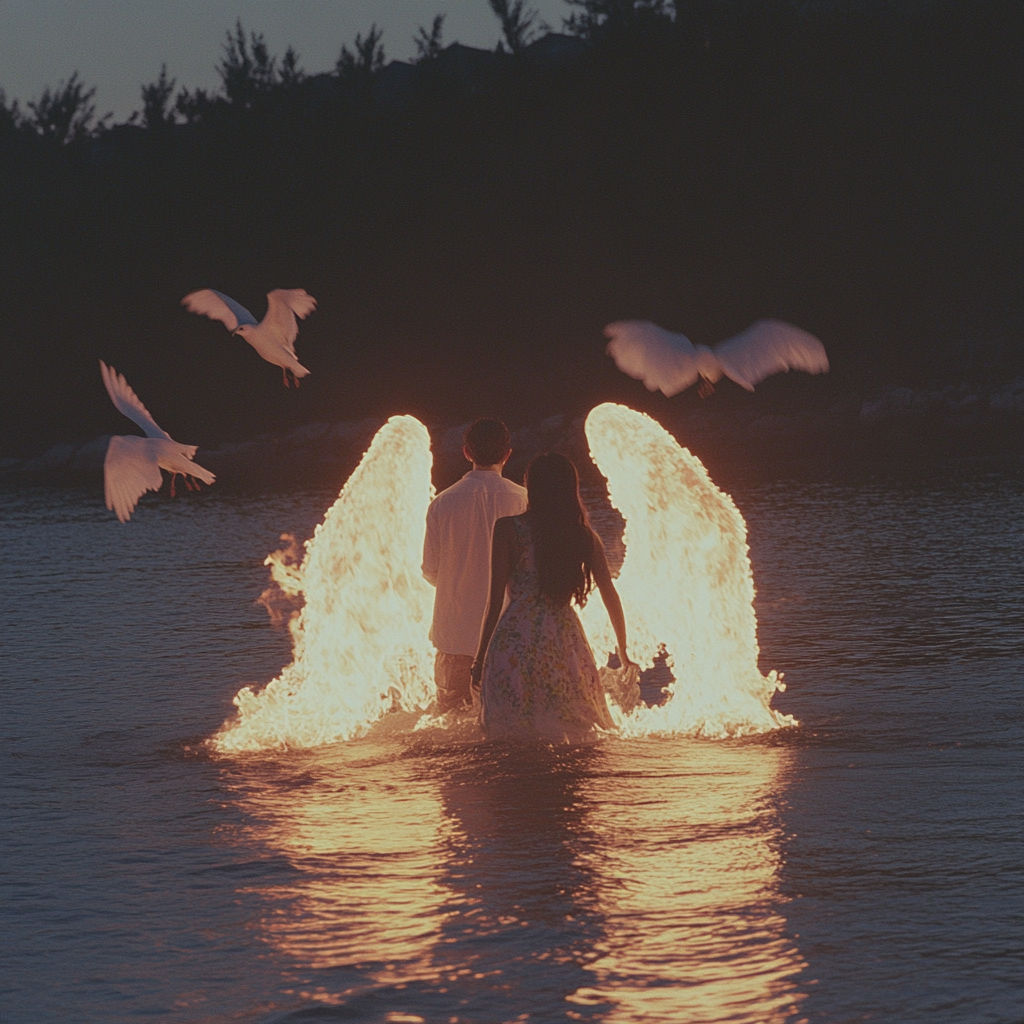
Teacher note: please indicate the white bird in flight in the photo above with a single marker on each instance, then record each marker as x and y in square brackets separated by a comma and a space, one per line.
[670, 363]
[133, 464]
[274, 336]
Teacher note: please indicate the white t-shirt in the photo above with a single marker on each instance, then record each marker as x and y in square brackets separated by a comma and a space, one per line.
[457, 554]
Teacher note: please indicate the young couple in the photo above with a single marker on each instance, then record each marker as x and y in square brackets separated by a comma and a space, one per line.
[507, 563]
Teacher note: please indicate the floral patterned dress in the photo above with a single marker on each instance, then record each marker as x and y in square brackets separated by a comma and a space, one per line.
[540, 680]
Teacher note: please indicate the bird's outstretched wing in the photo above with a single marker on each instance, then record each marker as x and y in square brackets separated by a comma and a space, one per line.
[664, 361]
[129, 470]
[767, 347]
[283, 306]
[128, 402]
[218, 306]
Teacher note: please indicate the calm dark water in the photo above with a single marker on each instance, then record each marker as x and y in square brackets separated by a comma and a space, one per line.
[862, 867]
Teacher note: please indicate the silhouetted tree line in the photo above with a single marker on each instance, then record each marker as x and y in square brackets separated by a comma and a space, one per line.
[470, 219]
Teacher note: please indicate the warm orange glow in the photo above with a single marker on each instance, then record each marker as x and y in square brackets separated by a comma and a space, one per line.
[687, 890]
[360, 641]
[438, 869]
[686, 583]
[365, 841]
[401, 870]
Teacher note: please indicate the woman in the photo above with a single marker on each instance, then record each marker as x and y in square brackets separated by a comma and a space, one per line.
[535, 668]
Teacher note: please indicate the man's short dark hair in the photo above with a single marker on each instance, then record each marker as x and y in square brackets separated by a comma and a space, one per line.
[488, 441]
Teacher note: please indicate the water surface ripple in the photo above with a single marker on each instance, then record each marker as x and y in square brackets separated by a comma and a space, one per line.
[864, 866]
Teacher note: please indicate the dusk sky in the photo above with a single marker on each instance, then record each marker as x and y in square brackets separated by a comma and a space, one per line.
[118, 45]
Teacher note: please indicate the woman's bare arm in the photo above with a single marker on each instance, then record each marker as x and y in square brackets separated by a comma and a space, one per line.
[610, 596]
[501, 569]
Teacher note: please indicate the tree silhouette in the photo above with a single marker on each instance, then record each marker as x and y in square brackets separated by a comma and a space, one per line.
[356, 70]
[10, 116]
[428, 44]
[193, 106]
[247, 70]
[156, 114]
[66, 115]
[290, 74]
[857, 174]
[519, 24]
[597, 18]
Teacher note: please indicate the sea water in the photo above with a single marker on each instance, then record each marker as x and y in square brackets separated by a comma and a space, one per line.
[864, 865]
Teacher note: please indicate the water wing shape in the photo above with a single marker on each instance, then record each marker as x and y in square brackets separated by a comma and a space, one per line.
[127, 402]
[283, 306]
[768, 347]
[218, 306]
[686, 583]
[129, 470]
[361, 641]
[664, 361]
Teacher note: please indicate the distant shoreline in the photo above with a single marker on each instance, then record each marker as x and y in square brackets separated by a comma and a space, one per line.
[734, 435]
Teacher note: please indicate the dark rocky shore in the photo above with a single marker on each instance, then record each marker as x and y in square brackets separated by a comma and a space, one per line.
[735, 435]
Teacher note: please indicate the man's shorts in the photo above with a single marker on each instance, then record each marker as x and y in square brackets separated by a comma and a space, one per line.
[451, 674]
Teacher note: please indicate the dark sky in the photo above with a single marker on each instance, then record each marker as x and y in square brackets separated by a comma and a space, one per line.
[117, 45]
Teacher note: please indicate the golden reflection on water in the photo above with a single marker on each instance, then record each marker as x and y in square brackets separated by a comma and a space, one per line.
[629, 881]
[364, 848]
[686, 884]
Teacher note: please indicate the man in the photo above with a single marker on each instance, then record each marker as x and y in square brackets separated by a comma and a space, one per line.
[457, 555]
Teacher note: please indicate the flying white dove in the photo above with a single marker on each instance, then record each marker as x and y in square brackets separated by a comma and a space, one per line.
[273, 337]
[670, 363]
[133, 464]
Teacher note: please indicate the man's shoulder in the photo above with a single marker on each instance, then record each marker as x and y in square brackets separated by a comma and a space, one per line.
[450, 492]
[452, 497]
[473, 483]
[471, 486]
[512, 487]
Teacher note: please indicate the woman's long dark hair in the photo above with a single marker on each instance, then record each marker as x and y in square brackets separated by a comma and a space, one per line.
[563, 542]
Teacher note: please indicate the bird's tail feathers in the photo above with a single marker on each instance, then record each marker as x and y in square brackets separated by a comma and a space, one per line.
[189, 467]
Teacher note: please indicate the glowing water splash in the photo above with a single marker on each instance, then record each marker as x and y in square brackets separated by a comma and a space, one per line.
[685, 583]
[361, 639]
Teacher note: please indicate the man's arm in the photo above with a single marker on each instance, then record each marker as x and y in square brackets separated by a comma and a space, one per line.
[431, 552]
